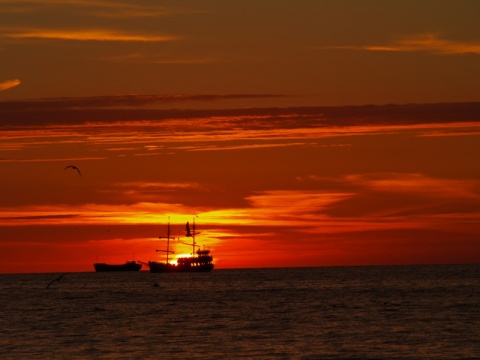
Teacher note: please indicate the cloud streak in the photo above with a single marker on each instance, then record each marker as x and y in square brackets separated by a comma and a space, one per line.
[145, 112]
[420, 184]
[88, 35]
[8, 84]
[414, 198]
[428, 42]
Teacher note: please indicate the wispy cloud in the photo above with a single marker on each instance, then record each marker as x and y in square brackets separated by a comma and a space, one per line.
[8, 84]
[419, 184]
[138, 213]
[150, 132]
[413, 198]
[280, 203]
[428, 42]
[88, 35]
[216, 147]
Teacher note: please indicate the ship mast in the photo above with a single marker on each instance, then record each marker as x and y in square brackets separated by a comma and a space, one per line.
[168, 240]
[193, 242]
[192, 234]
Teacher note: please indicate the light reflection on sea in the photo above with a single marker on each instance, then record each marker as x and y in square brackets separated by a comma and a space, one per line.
[302, 313]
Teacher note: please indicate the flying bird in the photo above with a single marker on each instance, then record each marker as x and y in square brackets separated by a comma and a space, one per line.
[57, 279]
[74, 168]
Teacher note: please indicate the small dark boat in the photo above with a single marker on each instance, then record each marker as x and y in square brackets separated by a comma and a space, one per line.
[201, 262]
[128, 266]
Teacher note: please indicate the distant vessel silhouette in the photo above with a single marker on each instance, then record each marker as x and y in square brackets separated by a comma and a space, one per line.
[128, 266]
[201, 262]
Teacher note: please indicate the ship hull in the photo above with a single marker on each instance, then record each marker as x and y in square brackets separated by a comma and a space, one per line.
[128, 266]
[157, 267]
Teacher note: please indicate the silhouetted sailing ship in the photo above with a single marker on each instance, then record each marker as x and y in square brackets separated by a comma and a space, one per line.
[128, 266]
[201, 262]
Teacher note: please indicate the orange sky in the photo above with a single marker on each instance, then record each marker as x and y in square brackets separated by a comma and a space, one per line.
[250, 115]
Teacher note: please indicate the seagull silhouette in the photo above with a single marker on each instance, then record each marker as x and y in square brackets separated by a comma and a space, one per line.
[74, 168]
[57, 279]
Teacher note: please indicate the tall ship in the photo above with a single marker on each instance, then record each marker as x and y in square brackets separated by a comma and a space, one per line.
[128, 266]
[199, 261]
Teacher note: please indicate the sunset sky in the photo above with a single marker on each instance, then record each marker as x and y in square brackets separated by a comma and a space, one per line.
[295, 133]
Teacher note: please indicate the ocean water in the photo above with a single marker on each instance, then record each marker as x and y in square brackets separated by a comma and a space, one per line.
[384, 312]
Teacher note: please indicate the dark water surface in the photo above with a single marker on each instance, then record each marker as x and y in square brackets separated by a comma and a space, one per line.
[384, 312]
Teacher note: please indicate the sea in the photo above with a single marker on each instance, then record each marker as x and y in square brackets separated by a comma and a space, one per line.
[359, 312]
